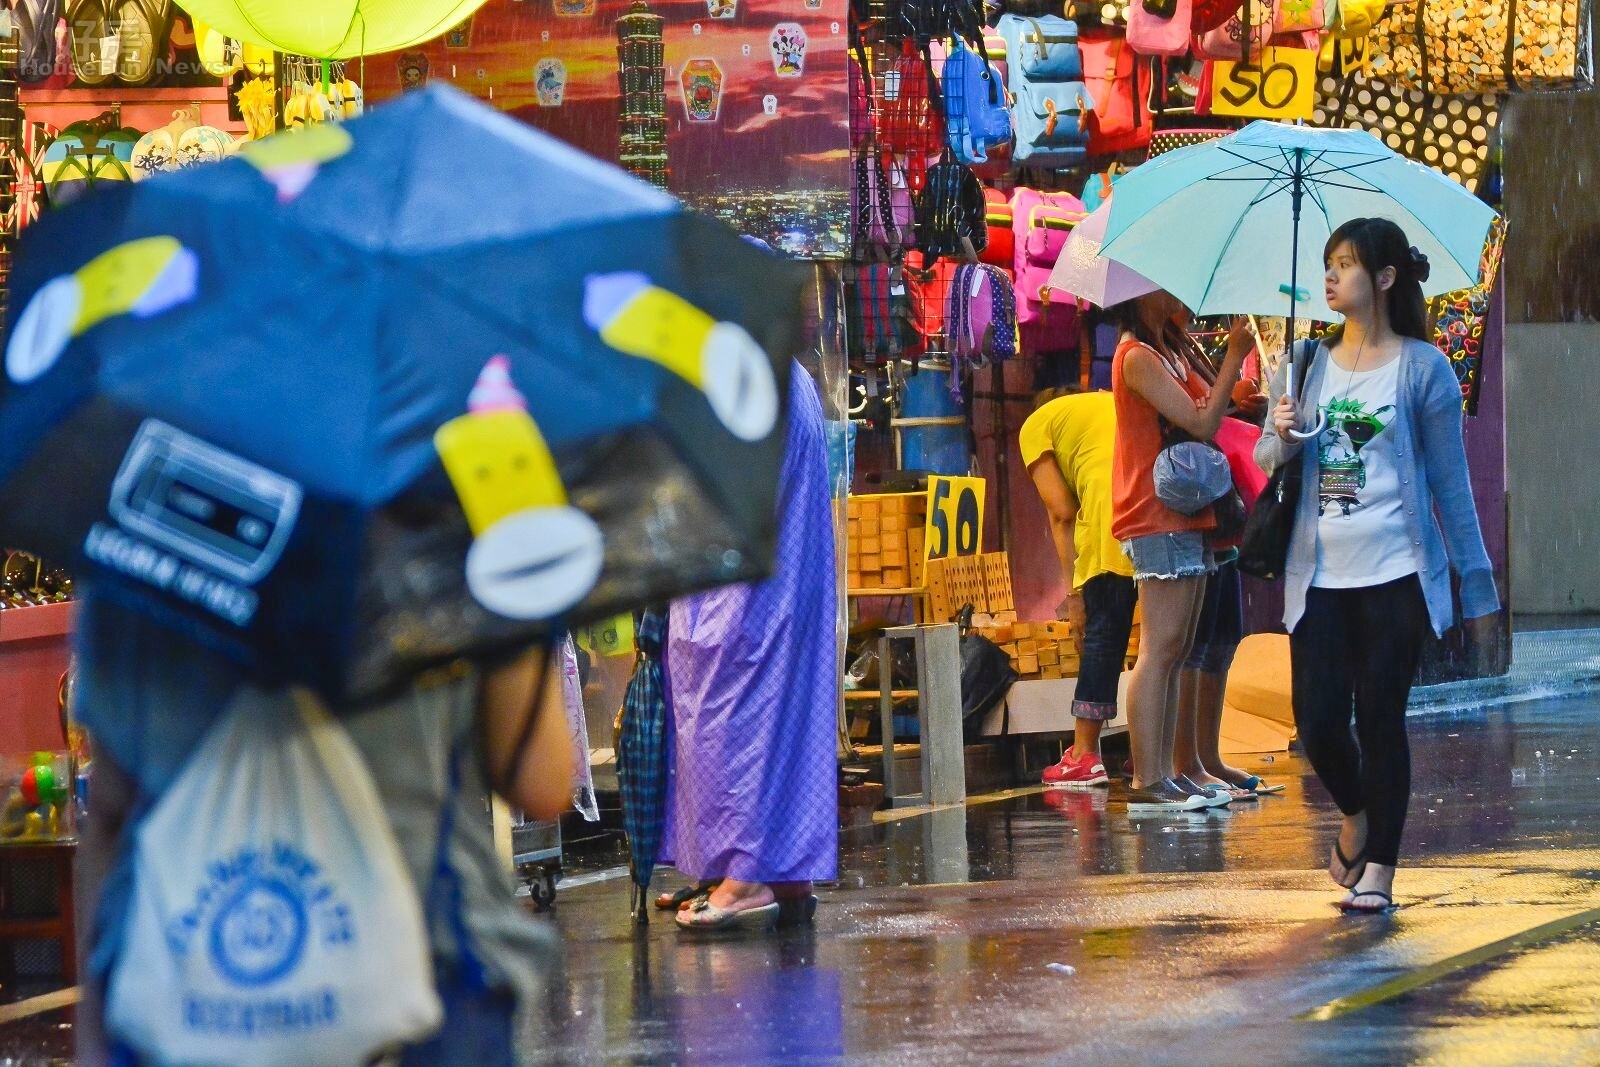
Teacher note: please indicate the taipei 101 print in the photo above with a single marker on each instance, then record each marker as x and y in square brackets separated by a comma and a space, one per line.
[739, 107]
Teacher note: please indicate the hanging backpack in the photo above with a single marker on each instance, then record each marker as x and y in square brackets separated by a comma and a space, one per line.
[928, 284]
[907, 119]
[981, 314]
[977, 114]
[1050, 103]
[1002, 244]
[878, 315]
[882, 220]
[952, 216]
[1121, 119]
[1097, 189]
[1042, 221]
[860, 99]
[1150, 34]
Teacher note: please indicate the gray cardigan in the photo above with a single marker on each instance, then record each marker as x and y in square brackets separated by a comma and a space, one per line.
[1441, 519]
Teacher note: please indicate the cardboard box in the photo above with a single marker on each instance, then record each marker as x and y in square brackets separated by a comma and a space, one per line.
[871, 564]
[895, 523]
[895, 579]
[1027, 665]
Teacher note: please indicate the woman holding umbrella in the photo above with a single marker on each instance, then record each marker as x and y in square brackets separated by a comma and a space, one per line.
[1369, 560]
[1156, 382]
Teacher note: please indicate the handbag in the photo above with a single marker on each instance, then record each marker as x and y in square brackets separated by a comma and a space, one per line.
[987, 675]
[1270, 524]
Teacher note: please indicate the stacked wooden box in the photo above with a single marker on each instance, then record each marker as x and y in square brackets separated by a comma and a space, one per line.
[1037, 649]
[885, 541]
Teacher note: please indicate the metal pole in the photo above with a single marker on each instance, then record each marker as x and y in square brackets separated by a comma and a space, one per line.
[1297, 192]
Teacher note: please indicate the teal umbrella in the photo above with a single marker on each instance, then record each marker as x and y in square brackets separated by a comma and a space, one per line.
[1237, 225]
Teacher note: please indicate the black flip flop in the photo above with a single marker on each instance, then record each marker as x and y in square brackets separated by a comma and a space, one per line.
[1350, 907]
[1354, 866]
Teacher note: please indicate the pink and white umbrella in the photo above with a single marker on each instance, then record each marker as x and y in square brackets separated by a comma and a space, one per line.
[1083, 272]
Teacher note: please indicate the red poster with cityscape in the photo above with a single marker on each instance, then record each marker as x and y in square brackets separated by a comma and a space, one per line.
[740, 107]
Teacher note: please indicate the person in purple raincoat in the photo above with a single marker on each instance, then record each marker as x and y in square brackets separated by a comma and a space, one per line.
[752, 678]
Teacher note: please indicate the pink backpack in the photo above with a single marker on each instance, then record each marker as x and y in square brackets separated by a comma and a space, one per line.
[1152, 35]
[881, 215]
[981, 314]
[1040, 224]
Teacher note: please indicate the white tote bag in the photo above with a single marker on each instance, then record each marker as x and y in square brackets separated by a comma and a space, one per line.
[273, 921]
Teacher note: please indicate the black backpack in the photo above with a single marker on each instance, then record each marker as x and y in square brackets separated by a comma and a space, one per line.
[951, 212]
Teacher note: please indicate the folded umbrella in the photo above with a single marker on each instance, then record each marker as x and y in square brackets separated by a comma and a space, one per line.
[344, 409]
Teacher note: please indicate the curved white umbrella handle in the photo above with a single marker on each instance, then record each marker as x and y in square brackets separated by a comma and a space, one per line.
[1306, 435]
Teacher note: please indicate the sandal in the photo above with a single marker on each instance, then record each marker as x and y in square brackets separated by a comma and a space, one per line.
[704, 915]
[674, 901]
[1258, 785]
[1354, 866]
[797, 911]
[1350, 907]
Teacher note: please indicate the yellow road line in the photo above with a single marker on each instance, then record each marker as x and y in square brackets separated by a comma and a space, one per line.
[896, 814]
[23, 1009]
[1397, 987]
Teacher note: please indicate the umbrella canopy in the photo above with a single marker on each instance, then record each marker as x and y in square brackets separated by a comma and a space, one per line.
[1083, 272]
[642, 758]
[1237, 225]
[345, 408]
[332, 29]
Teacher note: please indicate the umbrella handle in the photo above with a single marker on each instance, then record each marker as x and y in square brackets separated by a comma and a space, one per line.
[1315, 431]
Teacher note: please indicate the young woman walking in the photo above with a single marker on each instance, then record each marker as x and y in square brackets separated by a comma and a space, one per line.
[1156, 376]
[1385, 511]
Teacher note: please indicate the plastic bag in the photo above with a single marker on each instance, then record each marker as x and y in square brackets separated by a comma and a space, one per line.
[273, 921]
[583, 798]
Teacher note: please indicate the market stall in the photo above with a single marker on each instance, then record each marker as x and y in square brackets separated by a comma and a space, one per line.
[982, 135]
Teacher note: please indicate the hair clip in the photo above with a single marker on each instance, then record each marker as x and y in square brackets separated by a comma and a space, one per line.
[1419, 265]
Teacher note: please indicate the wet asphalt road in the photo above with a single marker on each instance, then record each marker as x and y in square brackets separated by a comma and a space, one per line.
[1206, 939]
[1191, 940]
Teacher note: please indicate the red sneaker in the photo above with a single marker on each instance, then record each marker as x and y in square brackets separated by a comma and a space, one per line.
[1075, 773]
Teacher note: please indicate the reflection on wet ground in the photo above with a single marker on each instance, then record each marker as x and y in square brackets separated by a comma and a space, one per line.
[1175, 940]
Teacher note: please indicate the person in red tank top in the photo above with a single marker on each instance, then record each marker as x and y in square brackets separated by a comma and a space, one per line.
[1157, 376]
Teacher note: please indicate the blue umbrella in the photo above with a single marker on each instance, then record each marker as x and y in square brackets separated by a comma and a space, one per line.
[642, 757]
[1237, 225]
[377, 396]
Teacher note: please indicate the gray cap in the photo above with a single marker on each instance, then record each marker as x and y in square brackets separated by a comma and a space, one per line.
[1191, 475]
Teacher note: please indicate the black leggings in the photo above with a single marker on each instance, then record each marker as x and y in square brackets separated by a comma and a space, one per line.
[1356, 651]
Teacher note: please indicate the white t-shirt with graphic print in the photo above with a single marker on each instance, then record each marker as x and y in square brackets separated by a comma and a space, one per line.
[1361, 530]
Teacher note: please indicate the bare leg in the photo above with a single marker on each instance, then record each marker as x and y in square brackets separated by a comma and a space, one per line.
[1086, 737]
[1208, 730]
[1185, 753]
[1170, 608]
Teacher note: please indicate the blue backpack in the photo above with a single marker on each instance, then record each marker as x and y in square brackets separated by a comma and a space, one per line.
[977, 113]
[1050, 103]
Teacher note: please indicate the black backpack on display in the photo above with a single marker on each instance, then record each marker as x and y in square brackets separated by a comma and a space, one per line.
[952, 215]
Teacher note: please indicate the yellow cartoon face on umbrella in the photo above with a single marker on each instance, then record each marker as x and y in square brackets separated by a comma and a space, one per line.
[721, 359]
[534, 556]
[140, 278]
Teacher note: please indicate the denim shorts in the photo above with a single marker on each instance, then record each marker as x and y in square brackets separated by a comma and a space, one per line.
[1170, 555]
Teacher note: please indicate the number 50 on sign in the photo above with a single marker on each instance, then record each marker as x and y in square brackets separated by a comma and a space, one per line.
[955, 517]
[1282, 86]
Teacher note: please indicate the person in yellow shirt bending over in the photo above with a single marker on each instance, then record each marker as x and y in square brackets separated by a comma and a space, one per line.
[1067, 446]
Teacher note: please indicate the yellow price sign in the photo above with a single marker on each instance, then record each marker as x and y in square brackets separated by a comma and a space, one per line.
[1282, 86]
[955, 517]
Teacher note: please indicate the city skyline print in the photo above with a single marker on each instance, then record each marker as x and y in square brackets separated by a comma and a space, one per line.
[740, 107]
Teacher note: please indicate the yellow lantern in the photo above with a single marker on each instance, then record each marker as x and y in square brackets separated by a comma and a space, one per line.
[332, 29]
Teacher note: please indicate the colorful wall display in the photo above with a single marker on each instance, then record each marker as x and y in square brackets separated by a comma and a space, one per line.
[738, 106]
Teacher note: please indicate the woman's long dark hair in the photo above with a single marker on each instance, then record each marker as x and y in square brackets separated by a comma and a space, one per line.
[1380, 243]
[1171, 338]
